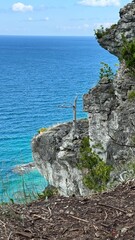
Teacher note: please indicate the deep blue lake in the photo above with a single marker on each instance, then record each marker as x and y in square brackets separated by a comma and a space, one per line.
[37, 76]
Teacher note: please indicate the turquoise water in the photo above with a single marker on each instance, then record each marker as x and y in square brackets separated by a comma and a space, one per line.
[37, 75]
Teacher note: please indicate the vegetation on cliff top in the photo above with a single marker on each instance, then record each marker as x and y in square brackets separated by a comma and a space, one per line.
[102, 31]
[128, 54]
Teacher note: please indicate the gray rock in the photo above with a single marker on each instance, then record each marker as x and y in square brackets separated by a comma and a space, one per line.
[24, 168]
[111, 114]
[56, 154]
[112, 117]
[111, 122]
[112, 40]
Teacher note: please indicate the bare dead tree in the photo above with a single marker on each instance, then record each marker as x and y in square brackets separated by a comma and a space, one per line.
[74, 108]
[74, 114]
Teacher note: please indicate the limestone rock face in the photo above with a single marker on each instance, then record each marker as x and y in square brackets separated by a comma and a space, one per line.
[111, 113]
[112, 117]
[110, 126]
[56, 154]
[100, 103]
[112, 39]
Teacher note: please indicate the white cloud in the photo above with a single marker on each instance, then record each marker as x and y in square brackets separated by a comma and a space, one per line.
[100, 3]
[20, 7]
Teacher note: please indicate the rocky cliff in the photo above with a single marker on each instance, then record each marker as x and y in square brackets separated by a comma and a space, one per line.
[111, 111]
[111, 39]
[56, 154]
[112, 117]
[110, 125]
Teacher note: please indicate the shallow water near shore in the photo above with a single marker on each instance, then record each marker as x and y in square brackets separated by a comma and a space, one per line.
[38, 75]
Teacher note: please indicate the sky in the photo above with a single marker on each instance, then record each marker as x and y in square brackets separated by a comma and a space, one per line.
[57, 17]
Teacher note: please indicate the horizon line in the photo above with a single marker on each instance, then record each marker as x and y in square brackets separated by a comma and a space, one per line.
[15, 35]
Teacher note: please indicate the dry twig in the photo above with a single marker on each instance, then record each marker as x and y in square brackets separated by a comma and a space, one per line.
[25, 234]
[109, 206]
[80, 219]
[9, 236]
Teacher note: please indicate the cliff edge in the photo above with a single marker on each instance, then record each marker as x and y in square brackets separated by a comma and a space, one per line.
[112, 117]
[111, 103]
[56, 154]
[111, 38]
[110, 125]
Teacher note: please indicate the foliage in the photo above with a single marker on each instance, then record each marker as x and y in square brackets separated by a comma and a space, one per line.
[48, 192]
[98, 176]
[128, 53]
[98, 145]
[106, 71]
[41, 130]
[88, 158]
[131, 95]
[98, 172]
[100, 32]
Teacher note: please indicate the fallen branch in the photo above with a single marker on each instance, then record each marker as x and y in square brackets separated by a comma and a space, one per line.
[109, 206]
[106, 215]
[9, 236]
[74, 230]
[80, 219]
[50, 211]
[4, 225]
[64, 231]
[25, 234]
[37, 217]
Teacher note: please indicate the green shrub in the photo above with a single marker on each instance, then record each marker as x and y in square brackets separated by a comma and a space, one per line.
[41, 130]
[100, 32]
[128, 53]
[98, 172]
[88, 158]
[106, 71]
[131, 95]
[98, 146]
[98, 176]
[48, 192]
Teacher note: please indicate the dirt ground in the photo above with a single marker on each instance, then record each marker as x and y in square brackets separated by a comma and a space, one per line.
[108, 216]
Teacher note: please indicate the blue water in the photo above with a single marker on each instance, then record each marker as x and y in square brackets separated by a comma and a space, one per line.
[37, 75]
